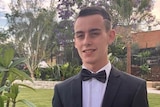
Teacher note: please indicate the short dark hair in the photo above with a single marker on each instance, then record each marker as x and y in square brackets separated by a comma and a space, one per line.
[96, 10]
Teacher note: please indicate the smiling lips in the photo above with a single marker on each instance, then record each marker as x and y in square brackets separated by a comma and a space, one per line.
[89, 51]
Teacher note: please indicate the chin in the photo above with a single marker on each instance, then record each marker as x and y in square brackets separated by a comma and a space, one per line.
[89, 61]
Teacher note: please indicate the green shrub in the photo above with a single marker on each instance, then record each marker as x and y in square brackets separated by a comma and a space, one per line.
[8, 74]
[68, 70]
[57, 72]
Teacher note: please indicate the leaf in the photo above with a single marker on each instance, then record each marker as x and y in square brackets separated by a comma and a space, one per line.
[1, 56]
[15, 90]
[3, 88]
[18, 61]
[10, 95]
[8, 56]
[20, 74]
[1, 102]
[12, 77]
[4, 98]
[26, 86]
[28, 103]
[2, 69]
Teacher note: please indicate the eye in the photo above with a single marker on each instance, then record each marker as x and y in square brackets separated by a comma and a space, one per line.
[95, 33]
[79, 35]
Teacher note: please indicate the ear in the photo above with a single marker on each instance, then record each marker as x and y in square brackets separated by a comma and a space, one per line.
[112, 36]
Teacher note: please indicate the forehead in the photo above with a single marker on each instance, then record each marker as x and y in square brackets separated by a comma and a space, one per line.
[88, 22]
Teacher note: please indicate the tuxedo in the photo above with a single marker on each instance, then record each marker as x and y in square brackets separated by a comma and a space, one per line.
[122, 90]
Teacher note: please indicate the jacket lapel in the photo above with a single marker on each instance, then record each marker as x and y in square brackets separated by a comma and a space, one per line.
[112, 88]
[76, 90]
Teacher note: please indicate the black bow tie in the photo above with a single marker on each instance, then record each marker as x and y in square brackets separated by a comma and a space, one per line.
[100, 76]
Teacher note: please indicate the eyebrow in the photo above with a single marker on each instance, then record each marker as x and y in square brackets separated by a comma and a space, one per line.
[78, 32]
[94, 29]
[91, 30]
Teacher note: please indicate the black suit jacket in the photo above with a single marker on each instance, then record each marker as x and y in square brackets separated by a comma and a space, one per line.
[123, 90]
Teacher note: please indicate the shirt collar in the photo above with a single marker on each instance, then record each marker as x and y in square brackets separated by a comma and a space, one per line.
[107, 69]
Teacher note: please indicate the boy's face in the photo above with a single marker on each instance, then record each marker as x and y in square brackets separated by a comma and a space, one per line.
[92, 39]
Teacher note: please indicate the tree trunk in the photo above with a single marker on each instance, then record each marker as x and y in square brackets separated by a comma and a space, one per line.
[31, 71]
[129, 58]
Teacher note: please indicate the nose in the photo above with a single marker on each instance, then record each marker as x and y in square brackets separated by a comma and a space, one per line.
[87, 40]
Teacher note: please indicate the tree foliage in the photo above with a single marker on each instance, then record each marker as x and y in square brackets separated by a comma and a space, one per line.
[123, 12]
[3, 36]
[38, 34]
[32, 26]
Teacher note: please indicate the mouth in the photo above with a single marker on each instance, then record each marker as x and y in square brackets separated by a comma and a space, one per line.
[89, 51]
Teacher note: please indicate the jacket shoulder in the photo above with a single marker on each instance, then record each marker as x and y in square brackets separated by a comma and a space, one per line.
[125, 76]
[67, 82]
[128, 81]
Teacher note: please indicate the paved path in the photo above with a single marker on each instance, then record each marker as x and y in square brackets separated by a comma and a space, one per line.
[153, 90]
[51, 84]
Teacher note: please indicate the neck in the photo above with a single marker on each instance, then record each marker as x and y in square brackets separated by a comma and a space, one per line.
[95, 66]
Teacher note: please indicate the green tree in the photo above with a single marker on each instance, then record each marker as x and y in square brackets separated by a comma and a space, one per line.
[3, 36]
[63, 38]
[117, 53]
[144, 67]
[32, 26]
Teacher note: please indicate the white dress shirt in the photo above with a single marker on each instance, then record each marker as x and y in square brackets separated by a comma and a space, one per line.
[93, 90]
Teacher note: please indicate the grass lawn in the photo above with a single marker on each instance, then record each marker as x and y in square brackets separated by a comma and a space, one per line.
[154, 100]
[40, 97]
[43, 98]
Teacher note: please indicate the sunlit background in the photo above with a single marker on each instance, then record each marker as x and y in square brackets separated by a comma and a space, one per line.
[4, 8]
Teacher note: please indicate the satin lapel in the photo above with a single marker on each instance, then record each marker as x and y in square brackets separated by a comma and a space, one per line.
[112, 88]
[77, 92]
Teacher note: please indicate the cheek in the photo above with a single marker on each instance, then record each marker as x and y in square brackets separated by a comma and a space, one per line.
[77, 46]
[104, 42]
